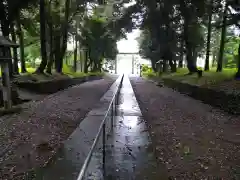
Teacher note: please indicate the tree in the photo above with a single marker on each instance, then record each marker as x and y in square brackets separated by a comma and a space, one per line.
[43, 37]
[223, 34]
[148, 48]
[100, 42]
[210, 9]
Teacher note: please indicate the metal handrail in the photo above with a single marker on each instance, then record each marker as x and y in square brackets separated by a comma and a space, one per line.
[101, 128]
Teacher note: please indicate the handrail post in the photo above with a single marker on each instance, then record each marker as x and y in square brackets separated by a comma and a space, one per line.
[104, 150]
[117, 97]
[102, 129]
[112, 115]
[116, 103]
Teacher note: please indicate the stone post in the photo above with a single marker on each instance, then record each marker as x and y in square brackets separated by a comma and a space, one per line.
[6, 86]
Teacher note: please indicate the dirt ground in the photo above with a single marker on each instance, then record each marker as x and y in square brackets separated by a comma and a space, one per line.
[29, 139]
[192, 140]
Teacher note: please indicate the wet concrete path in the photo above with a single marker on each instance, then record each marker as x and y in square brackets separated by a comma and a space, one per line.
[129, 152]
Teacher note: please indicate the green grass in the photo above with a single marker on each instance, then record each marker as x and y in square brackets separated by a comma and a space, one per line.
[67, 72]
[81, 74]
[29, 70]
[209, 78]
[149, 74]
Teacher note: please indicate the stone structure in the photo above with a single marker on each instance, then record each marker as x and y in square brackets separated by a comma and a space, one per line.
[5, 57]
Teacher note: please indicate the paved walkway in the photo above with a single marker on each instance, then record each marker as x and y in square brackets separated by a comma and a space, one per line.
[28, 139]
[130, 155]
[193, 140]
[69, 159]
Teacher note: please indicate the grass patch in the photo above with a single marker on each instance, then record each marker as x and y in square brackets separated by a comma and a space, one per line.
[54, 76]
[30, 70]
[68, 71]
[95, 73]
[81, 74]
[40, 77]
[209, 78]
[149, 74]
[76, 74]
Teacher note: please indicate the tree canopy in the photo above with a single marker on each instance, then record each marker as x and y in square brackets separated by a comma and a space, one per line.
[43, 28]
[171, 30]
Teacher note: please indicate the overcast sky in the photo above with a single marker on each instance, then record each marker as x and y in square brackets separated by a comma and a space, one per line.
[129, 45]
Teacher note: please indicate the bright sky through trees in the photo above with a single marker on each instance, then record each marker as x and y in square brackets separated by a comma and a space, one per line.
[129, 45]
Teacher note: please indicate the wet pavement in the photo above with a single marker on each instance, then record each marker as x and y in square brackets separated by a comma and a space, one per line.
[129, 151]
[68, 161]
[129, 154]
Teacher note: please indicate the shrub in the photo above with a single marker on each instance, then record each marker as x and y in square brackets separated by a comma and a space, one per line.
[146, 68]
[149, 74]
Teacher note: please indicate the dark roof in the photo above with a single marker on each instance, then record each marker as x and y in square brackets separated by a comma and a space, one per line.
[5, 42]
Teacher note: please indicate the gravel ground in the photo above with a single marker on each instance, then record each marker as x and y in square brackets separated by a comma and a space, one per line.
[29, 139]
[193, 140]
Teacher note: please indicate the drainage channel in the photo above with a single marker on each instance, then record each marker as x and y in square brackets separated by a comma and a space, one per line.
[129, 151]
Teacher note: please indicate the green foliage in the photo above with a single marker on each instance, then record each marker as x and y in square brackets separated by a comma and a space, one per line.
[148, 47]
[231, 51]
[100, 41]
[67, 69]
[147, 72]
[170, 29]
[208, 79]
[146, 68]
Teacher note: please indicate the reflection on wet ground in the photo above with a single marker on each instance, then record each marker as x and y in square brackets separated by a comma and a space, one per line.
[129, 154]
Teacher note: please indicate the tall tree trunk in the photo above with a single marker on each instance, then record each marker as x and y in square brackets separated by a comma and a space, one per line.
[21, 44]
[153, 63]
[180, 64]
[51, 41]
[191, 65]
[223, 35]
[57, 51]
[100, 66]
[64, 38]
[52, 49]
[15, 54]
[214, 59]
[75, 55]
[44, 61]
[238, 72]
[86, 62]
[188, 20]
[206, 68]
[164, 67]
[173, 66]
[191, 59]
[95, 66]
[81, 56]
